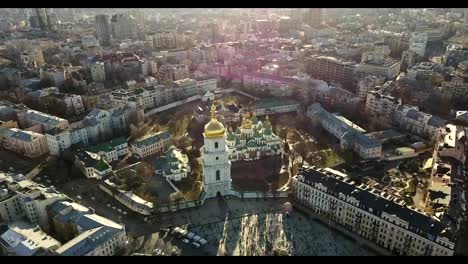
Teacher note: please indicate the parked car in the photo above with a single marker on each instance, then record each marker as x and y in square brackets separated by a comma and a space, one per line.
[195, 244]
[202, 241]
[186, 241]
[190, 235]
[196, 238]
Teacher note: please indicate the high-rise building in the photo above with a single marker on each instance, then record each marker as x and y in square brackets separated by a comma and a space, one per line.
[418, 42]
[103, 30]
[331, 69]
[124, 26]
[41, 14]
[313, 17]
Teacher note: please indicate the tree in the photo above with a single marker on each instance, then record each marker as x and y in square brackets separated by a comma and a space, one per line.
[302, 149]
[45, 83]
[176, 197]
[183, 142]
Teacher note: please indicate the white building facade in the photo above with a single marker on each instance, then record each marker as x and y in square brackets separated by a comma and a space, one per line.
[373, 215]
[215, 159]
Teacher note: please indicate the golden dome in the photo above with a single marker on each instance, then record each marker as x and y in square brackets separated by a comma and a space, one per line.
[214, 128]
[246, 122]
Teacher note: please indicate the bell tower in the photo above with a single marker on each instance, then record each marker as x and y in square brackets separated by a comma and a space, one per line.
[215, 158]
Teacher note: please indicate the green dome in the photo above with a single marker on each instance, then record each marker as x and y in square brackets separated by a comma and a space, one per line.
[231, 136]
[254, 120]
[238, 131]
[267, 131]
[257, 134]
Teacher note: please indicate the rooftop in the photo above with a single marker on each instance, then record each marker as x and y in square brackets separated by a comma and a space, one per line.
[151, 139]
[107, 146]
[26, 240]
[318, 110]
[375, 202]
[273, 102]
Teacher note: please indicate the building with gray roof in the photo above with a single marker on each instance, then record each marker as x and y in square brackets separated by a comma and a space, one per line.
[350, 138]
[375, 214]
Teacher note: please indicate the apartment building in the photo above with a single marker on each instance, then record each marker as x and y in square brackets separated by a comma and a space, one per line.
[423, 124]
[26, 143]
[56, 75]
[111, 150]
[382, 106]
[421, 71]
[331, 69]
[97, 126]
[159, 95]
[27, 199]
[28, 118]
[85, 233]
[367, 84]
[23, 239]
[455, 87]
[373, 214]
[388, 68]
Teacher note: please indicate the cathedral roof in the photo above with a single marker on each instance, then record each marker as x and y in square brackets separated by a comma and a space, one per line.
[267, 123]
[231, 136]
[246, 122]
[257, 134]
[254, 120]
[252, 144]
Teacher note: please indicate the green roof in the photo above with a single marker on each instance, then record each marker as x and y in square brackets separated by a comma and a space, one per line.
[272, 102]
[166, 163]
[267, 131]
[254, 120]
[231, 136]
[107, 146]
[252, 144]
[101, 165]
[257, 134]
[151, 139]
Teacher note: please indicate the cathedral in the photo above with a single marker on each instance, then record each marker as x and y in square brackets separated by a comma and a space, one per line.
[253, 140]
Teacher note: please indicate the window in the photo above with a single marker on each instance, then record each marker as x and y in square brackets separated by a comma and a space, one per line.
[216, 144]
[218, 177]
[217, 158]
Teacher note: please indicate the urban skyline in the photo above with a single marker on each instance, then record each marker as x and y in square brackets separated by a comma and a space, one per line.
[233, 131]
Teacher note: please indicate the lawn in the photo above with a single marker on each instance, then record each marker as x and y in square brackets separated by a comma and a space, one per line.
[331, 158]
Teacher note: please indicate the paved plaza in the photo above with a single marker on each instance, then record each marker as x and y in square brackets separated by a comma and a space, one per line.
[272, 233]
[254, 227]
[231, 226]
